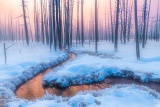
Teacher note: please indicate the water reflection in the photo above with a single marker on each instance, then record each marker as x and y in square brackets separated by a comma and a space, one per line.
[33, 88]
[36, 90]
[98, 86]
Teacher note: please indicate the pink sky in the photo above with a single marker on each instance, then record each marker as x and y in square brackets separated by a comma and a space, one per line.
[15, 6]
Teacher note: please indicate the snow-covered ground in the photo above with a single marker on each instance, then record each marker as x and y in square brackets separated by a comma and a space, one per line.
[23, 62]
[88, 67]
[116, 96]
[92, 68]
[126, 51]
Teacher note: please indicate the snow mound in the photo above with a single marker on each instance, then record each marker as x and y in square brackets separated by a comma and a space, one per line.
[91, 75]
[10, 85]
[116, 96]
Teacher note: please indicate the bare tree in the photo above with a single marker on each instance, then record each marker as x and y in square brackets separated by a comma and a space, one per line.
[144, 24]
[71, 20]
[50, 23]
[136, 30]
[42, 21]
[111, 22]
[58, 20]
[78, 32]
[82, 22]
[96, 26]
[25, 21]
[148, 19]
[116, 28]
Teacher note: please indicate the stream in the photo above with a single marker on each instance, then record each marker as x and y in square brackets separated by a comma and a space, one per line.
[33, 88]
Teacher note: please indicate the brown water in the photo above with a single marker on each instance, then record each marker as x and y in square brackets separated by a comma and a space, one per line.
[33, 88]
[108, 82]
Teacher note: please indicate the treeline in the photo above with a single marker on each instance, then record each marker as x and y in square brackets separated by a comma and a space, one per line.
[54, 24]
[10, 31]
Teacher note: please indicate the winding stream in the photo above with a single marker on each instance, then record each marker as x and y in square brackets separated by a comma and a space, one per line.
[33, 88]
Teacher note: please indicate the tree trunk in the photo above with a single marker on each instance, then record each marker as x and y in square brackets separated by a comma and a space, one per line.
[82, 23]
[96, 26]
[116, 28]
[136, 30]
[25, 22]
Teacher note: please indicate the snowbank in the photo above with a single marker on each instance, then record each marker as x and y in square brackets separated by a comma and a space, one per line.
[116, 96]
[92, 67]
[24, 62]
[126, 51]
[88, 69]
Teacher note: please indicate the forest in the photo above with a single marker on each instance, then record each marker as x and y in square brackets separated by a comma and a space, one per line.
[80, 53]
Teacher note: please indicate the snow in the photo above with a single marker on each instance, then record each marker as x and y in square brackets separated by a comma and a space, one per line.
[116, 96]
[48, 104]
[23, 62]
[89, 68]
[125, 51]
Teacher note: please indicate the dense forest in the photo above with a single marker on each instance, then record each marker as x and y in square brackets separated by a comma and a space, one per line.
[54, 25]
[79, 53]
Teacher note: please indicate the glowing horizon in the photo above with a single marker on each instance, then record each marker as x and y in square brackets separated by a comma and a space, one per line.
[7, 6]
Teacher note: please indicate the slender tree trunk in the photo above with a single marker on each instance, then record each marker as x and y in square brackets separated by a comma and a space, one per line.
[82, 23]
[54, 24]
[96, 26]
[25, 22]
[111, 22]
[58, 20]
[71, 33]
[144, 26]
[116, 28]
[42, 22]
[5, 55]
[148, 22]
[136, 30]
[50, 24]
[78, 32]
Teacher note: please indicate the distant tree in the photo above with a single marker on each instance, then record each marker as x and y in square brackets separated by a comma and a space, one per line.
[116, 28]
[53, 18]
[82, 22]
[11, 26]
[78, 31]
[125, 13]
[59, 23]
[25, 21]
[136, 30]
[157, 24]
[112, 32]
[50, 23]
[148, 19]
[96, 26]
[144, 24]
[42, 21]
[71, 20]
[46, 23]
[130, 21]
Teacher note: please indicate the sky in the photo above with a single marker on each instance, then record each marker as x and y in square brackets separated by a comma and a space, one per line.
[14, 7]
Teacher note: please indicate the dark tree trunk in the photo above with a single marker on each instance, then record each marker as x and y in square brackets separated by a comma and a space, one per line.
[116, 28]
[144, 26]
[96, 26]
[82, 23]
[136, 30]
[25, 22]
[111, 22]
[42, 22]
[78, 32]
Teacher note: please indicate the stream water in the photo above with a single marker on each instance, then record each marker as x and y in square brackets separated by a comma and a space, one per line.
[33, 88]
